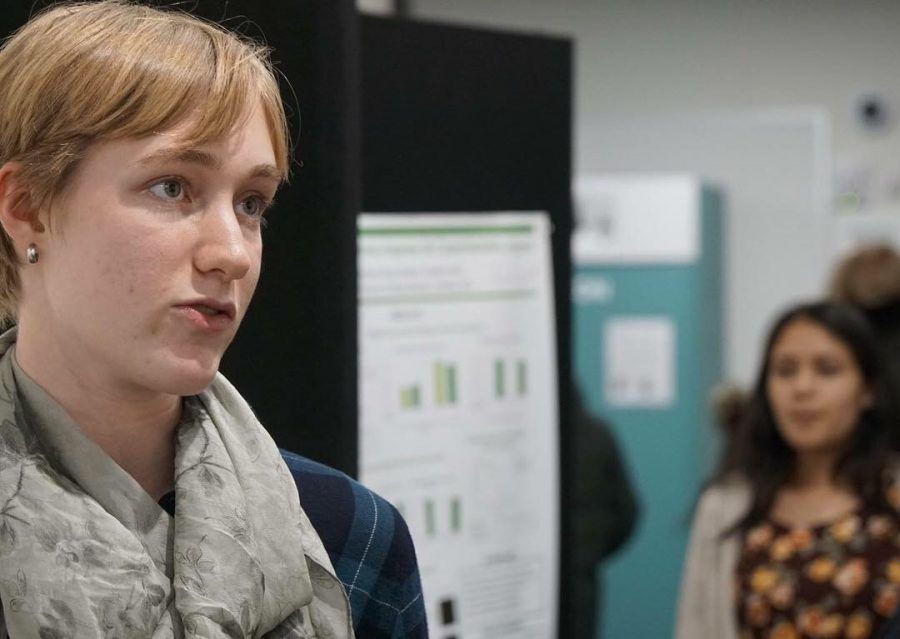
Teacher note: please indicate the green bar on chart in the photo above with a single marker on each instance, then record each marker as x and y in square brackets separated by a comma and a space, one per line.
[409, 397]
[522, 377]
[430, 518]
[456, 514]
[499, 379]
[451, 383]
[439, 395]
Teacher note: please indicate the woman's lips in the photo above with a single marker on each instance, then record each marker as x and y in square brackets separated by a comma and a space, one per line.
[205, 317]
[804, 416]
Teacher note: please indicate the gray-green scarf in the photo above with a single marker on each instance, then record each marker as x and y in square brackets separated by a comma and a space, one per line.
[86, 552]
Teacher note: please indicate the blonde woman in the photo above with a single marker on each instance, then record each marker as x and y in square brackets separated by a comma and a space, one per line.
[139, 495]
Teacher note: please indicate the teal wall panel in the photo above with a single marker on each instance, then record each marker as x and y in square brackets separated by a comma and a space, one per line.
[669, 449]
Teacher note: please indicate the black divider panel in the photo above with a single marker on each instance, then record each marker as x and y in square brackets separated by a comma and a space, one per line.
[294, 358]
[458, 119]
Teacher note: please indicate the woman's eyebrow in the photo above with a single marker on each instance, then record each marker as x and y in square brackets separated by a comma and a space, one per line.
[184, 156]
[206, 160]
[269, 171]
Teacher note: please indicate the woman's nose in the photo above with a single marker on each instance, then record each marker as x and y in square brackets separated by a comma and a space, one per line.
[223, 246]
[804, 381]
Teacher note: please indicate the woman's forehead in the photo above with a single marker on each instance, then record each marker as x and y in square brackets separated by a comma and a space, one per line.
[807, 336]
[245, 153]
[193, 139]
[187, 143]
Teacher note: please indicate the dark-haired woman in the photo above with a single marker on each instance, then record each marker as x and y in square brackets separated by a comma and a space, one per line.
[798, 533]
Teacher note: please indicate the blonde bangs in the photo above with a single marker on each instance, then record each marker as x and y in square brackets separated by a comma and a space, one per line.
[217, 91]
[147, 71]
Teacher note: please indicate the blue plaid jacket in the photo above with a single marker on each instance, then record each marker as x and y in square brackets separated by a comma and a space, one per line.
[370, 547]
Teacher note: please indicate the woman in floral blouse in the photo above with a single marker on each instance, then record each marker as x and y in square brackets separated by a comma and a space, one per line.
[798, 534]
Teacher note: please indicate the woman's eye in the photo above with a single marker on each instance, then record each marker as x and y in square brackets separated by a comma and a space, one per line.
[785, 369]
[168, 189]
[253, 206]
[828, 368]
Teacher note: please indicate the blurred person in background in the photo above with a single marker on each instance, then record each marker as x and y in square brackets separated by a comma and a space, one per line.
[796, 535]
[869, 278]
[603, 509]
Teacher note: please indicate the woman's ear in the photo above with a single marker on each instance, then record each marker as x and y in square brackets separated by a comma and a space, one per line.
[18, 216]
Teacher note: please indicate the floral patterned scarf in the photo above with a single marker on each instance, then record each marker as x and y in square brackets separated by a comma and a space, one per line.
[85, 552]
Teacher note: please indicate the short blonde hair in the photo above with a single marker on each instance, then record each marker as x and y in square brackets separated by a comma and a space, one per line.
[869, 277]
[83, 72]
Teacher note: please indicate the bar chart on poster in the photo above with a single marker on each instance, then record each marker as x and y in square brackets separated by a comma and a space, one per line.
[458, 411]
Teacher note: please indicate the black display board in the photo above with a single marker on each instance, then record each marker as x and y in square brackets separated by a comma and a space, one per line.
[458, 119]
[294, 358]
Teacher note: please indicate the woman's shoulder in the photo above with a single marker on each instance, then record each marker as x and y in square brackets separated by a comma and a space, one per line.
[369, 545]
[723, 502]
[725, 490]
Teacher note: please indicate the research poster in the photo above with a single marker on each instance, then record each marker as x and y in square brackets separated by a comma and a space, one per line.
[458, 411]
[639, 361]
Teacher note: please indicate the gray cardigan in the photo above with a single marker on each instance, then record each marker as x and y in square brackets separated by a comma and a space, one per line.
[706, 605]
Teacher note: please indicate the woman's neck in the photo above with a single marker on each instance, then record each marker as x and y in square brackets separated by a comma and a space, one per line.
[814, 470]
[139, 438]
[813, 495]
[137, 430]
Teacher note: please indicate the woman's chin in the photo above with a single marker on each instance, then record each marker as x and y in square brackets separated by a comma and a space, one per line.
[817, 446]
[186, 378]
[195, 386]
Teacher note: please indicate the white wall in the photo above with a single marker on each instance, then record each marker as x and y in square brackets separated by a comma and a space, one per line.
[378, 7]
[644, 58]
[658, 55]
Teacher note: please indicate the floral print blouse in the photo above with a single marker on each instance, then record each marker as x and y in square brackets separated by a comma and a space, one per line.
[834, 580]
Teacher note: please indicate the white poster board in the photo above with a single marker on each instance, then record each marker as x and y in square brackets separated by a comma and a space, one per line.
[638, 355]
[636, 219]
[458, 411]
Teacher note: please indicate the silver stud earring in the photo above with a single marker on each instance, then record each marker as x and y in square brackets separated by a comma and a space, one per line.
[31, 254]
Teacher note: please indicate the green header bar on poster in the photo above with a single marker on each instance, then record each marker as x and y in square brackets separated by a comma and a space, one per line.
[449, 230]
